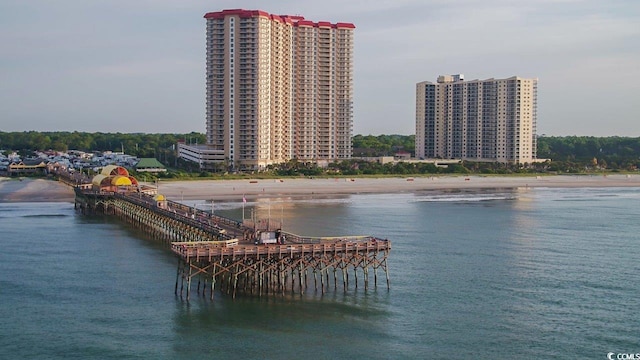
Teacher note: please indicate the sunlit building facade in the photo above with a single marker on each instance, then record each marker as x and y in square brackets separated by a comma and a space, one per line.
[278, 87]
[478, 120]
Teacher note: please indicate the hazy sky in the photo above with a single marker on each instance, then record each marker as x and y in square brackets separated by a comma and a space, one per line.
[139, 65]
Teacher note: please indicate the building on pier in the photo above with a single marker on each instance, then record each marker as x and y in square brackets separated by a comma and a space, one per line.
[114, 178]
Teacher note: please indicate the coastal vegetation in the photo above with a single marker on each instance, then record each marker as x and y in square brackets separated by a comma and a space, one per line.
[159, 146]
[569, 154]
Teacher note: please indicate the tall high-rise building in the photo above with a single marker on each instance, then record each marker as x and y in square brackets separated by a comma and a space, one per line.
[278, 87]
[478, 120]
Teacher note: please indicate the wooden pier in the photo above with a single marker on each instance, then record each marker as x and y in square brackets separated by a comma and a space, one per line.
[221, 254]
[278, 269]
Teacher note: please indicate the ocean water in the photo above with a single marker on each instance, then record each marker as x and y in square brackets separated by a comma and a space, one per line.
[500, 274]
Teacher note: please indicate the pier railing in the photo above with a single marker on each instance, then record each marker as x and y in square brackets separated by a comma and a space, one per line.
[209, 249]
[185, 214]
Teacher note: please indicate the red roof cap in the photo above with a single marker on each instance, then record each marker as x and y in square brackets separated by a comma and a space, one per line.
[345, 26]
[236, 12]
[305, 23]
[289, 19]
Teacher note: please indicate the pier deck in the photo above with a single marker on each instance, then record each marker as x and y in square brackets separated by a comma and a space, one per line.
[218, 250]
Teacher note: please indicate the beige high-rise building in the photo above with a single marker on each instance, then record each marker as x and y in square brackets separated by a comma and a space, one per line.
[278, 88]
[478, 120]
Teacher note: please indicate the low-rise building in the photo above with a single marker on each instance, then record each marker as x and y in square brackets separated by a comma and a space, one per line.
[207, 157]
[151, 165]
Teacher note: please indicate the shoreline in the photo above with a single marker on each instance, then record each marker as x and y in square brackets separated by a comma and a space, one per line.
[34, 190]
[42, 190]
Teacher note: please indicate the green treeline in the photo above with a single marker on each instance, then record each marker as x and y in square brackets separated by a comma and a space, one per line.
[573, 154]
[382, 145]
[136, 144]
[567, 153]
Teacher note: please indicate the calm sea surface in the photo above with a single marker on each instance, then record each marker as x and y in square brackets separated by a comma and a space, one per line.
[522, 273]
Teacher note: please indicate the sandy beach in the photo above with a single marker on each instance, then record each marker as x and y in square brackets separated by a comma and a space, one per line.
[34, 190]
[30, 190]
[252, 189]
